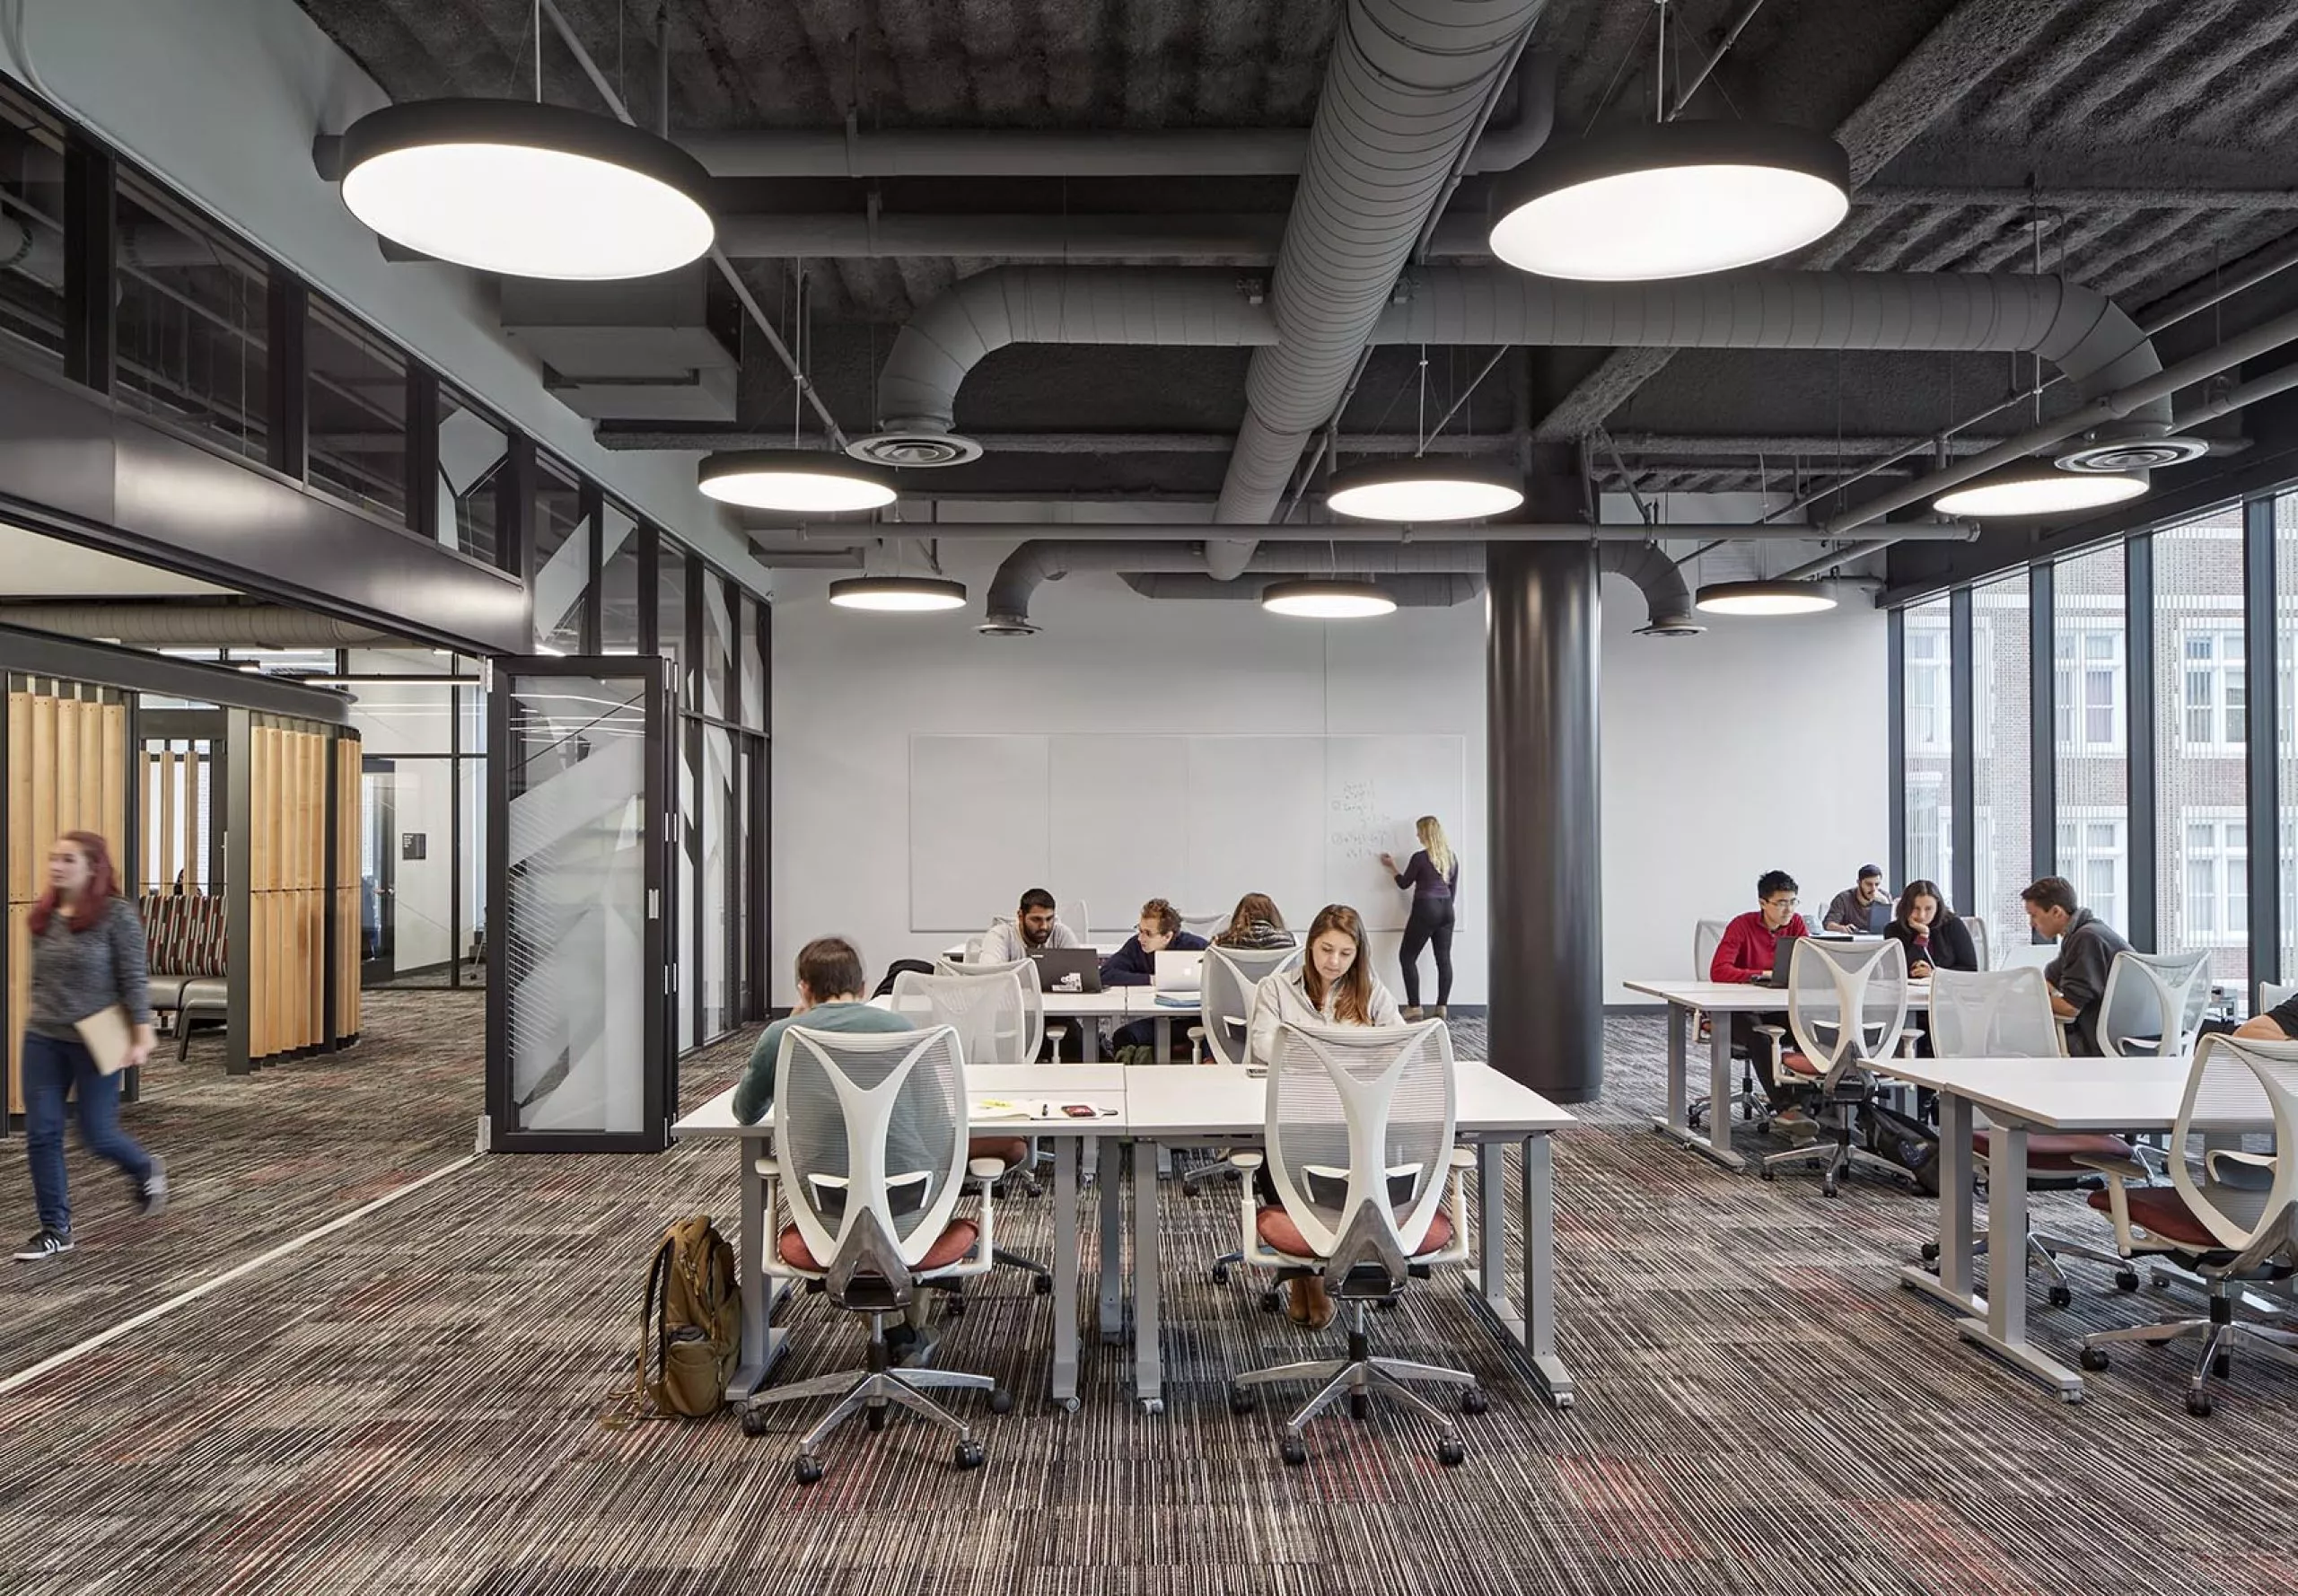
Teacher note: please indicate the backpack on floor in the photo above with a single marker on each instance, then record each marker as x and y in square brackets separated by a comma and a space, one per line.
[690, 1320]
[1909, 1143]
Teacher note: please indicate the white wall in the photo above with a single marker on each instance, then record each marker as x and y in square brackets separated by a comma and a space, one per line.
[1708, 742]
[220, 99]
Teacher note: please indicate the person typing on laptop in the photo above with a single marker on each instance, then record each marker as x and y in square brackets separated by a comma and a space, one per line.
[1863, 908]
[1157, 931]
[1032, 926]
[1751, 943]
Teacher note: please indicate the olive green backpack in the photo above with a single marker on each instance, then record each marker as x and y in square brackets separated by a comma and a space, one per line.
[690, 1321]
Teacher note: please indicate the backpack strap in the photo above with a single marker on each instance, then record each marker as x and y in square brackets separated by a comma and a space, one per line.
[650, 1326]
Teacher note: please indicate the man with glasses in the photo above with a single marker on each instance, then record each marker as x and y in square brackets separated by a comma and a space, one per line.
[1745, 956]
[1157, 931]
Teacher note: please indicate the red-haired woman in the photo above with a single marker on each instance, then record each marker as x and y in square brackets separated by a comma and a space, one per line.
[87, 956]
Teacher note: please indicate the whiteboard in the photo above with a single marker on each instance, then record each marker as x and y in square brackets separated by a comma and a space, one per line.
[1115, 818]
[979, 827]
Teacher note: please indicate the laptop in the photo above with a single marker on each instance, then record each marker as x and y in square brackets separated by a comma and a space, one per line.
[1180, 971]
[1783, 950]
[1067, 970]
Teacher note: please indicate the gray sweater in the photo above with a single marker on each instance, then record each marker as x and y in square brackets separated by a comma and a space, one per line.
[79, 973]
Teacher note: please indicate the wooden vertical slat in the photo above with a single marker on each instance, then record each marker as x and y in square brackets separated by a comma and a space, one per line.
[43, 770]
[168, 822]
[22, 845]
[93, 816]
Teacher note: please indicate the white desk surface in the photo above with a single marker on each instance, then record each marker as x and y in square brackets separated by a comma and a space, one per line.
[1227, 1099]
[2058, 1094]
[1734, 997]
[1042, 1088]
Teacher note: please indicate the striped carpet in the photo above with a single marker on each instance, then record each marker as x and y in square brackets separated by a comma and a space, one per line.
[426, 1401]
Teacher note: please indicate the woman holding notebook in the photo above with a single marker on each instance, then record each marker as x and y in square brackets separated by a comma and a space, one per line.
[88, 1018]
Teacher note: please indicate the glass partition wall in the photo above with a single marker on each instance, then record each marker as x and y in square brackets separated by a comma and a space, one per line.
[2134, 728]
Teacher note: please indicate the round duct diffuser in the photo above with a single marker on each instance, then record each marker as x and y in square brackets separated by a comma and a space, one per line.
[2102, 451]
[906, 451]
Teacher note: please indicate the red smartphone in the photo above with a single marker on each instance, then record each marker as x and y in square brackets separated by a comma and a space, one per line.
[1081, 1110]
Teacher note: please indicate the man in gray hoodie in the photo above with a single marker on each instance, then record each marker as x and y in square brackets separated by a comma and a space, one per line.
[2087, 946]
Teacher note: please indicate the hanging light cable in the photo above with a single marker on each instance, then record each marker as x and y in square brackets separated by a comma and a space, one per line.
[1418, 490]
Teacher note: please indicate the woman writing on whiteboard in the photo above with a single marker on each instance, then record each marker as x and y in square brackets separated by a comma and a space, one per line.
[1434, 877]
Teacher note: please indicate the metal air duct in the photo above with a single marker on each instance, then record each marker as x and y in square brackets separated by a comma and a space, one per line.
[182, 625]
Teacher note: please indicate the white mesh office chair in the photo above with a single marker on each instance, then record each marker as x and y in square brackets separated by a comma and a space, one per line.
[1228, 981]
[1359, 1149]
[2028, 955]
[1075, 915]
[1025, 973]
[1205, 925]
[2006, 1013]
[2229, 1215]
[1847, 1006]
[2273, 995]
[1707, 935]
[2153, 1003]
[870, 1155]
[1978, 928]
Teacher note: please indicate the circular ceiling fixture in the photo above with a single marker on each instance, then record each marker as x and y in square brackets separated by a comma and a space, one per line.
[796, 481]
[527, 190]
[1764, 597]
[913, 449]
[2107, 450]
[1670, 200]
[898, 594]
[1419, 489]
[2037, 487]
[1326, 598]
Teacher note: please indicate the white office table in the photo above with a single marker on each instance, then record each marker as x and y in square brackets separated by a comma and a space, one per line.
[2019, 1095]
[1047, 1086]
[1221, 1105]
[1718, 998]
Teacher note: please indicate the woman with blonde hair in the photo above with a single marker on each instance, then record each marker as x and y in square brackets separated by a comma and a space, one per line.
[1434, 877]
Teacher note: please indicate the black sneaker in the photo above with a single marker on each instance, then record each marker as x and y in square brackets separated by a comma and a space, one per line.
[152, 1191]
[46, 1243]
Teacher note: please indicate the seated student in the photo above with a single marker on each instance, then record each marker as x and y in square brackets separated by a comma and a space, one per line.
[1333, 985]
[1254, 923]
[1744, 956]
[1934, 936]
[1862, 908]
[1032, 926]
[1158, 930]
[2087, 946]
[2277, 1024]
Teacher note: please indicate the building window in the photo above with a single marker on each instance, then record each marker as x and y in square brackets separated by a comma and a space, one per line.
[1930, 830]
[2216, 863]
[1929, 718]
[2213, 691]
[2090, 693]
[2094, 853]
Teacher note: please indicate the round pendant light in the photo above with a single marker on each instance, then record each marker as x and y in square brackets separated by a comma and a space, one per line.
[527, 190]
[1419, 490]
[904, 594]
[2038, 488]
[1324, 598]
[1670, 200]
[797, 481]
[1764, 597]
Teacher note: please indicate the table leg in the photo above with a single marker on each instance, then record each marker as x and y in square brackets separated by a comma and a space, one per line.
[1164, 1038]
[2004, 1331]
[1491, 1276]
[1110, 1180]
[1092, 1038]
[1953, 1283]
[1717, 1142]
[761, 1342]
[1148, 1362]
[1540, 1270]
[1067, 1237]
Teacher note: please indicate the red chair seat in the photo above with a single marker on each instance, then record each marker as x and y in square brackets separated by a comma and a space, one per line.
[1801, 1064]
[2161, 1211]
[1008, 1151]
[2055, 1153]
[956, 1241]
[1279, 1233]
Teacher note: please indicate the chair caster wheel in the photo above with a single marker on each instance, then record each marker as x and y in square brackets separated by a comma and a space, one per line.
[1450, 1452]
[2222, 1366]
[1001, 1400]
[1220, 1274]
[1242, 1402]
[1474, 1400]
[955, 1308]
[806, 1471]
[1042, 1285]
[1931, 1252]
[1272, 1300]
[2092, 1359]
[874, 1418]
[2198, 1404]
[754, 1421]
[1069, 1404]
[1359, 1407]
[2126, 1280]
[1153, 1406]
[1768, 1174]
[1830, 1188]
[2061, 1297]
[969, 1456]
[1294, 1451]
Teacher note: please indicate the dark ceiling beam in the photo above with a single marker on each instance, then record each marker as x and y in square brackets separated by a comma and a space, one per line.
[1924, 86]
[678, 435]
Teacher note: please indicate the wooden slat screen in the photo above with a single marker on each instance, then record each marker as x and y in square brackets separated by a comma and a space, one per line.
[291, 770]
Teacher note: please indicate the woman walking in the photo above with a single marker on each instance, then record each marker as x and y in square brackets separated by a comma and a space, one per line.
[1434, 877]
[87, 956]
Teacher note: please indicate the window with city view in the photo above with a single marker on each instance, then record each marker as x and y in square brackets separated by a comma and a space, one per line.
[2201, 843]
[1928, 705]
[2003, 773]
[2090, 709]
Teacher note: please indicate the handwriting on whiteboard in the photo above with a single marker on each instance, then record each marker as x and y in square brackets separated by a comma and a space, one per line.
[1360, 830]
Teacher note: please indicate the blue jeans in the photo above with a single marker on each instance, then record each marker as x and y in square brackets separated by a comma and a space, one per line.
[52, 1069]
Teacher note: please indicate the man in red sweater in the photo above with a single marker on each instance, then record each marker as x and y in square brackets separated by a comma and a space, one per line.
[1745, 956]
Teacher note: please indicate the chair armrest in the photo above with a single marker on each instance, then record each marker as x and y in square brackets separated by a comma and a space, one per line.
[1464, 1158]
[1245, 1159]
[2235, 1155]
[768, 1167]
[984, 1168]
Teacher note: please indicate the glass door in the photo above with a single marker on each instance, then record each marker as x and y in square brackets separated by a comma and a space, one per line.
[378, 855]
[578, 975]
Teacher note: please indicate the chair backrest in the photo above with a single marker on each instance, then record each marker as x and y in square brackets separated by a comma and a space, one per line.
[2153, 1003]
[1847, 1002]
[870, 1130]
[2028, 955]
[2235, 1090]
[1226, 989]
[1205, 925]
[1707, 936]
[999, 1017]
[1073, 914]
[1992, 1014]
[1978, 928]
[1359, 1123]
[2273, 995]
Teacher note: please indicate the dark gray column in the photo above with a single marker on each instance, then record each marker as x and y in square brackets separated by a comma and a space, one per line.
[1546, 916]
